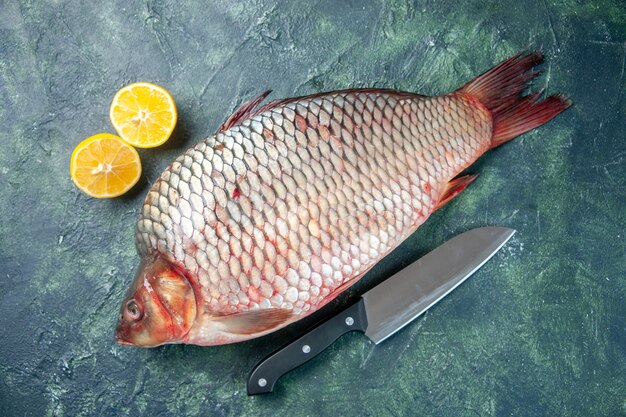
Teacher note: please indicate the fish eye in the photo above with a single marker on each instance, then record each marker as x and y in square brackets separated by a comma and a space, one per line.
[133, 312]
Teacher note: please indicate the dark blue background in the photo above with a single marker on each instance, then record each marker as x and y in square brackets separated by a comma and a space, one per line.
[539, 331]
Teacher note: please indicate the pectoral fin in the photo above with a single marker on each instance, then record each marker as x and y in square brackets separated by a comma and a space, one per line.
[257, 321]
[245, 111]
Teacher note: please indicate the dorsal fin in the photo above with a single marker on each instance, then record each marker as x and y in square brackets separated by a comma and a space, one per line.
[255, 321]
[249, 108]
[245, 111]
[283, 101]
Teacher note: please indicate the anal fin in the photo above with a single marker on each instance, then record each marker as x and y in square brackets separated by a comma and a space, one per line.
[454, 188]
[255, 321]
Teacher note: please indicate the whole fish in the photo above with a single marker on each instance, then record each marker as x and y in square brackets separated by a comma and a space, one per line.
[289, 204]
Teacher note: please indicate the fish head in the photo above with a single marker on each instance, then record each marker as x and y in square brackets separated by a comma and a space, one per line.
[159, 307]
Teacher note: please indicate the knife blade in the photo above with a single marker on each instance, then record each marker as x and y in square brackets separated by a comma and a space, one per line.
[391, 305]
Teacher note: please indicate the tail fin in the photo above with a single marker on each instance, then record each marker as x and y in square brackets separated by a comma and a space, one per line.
[500, 90]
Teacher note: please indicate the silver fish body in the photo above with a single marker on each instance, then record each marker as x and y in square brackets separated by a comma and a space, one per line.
[296, 202]
[286, 206]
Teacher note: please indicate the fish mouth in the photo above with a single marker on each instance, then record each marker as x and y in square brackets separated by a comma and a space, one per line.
[121, 336]
[120, 339]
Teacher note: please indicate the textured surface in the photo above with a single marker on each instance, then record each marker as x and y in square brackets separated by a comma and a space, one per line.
[538, 331]
[283, 209]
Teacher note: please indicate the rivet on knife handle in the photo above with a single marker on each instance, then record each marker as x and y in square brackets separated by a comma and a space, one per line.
[268, 371]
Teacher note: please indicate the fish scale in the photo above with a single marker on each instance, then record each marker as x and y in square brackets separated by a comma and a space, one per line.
[285, 208]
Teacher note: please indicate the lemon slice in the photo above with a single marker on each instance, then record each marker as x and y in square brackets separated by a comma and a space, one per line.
[143, 114]
[105, 166]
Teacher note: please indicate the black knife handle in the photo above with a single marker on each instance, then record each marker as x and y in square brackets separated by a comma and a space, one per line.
[269, 370]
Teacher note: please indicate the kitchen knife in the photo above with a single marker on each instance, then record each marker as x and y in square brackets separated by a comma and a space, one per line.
[391, 305]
